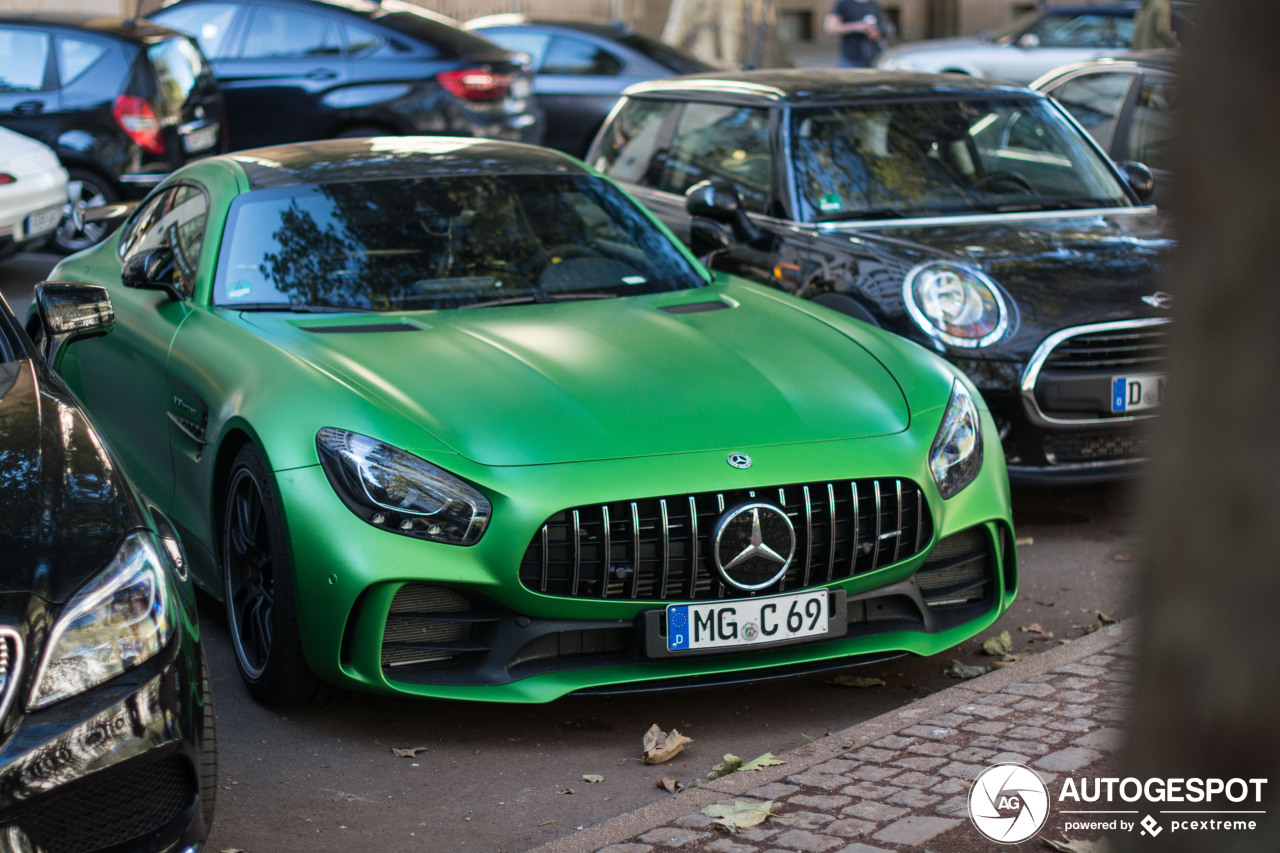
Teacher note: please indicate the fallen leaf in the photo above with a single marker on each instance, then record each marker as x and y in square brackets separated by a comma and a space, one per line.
[1121, 558]
[1033, 628]
[730, 764]
[659, 746]
[1025, 540]
[670, 785]
[567, 791]
[1105, 619]
[857, 681]
[1001, 644]
[964, 670]
[766, 760]
[1067, 846]
[411, 752]
[592, 778]
[233, 850]
[741, 815]
[1007, 660]
[546, 823]
[1046, 603]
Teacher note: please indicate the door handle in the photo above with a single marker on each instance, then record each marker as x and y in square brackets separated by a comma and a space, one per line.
[28, 108]
[321, 74]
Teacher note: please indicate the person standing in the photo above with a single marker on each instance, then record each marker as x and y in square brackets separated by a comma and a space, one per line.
[858, 23]
[1153, 26]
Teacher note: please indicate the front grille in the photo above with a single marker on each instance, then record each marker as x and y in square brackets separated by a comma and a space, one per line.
[427, 626]
[1108, 445]
[1140, 348]
[659, 549]
[112, 810]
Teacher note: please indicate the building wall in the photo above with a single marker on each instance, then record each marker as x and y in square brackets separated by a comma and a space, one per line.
[799, 20]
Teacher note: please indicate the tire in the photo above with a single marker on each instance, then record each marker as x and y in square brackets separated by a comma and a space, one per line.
[258, 588]
[90, 190]
[208, 747]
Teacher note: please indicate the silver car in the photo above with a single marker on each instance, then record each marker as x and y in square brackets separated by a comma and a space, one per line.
[1032, 45]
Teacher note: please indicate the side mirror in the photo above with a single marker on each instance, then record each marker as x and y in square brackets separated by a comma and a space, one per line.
[719, 202]
[1140, 179]
[1029, 40]
[69, 312]
[151, 270]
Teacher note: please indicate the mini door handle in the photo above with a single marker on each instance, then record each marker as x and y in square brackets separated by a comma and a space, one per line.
[28, 108]
[322, 74]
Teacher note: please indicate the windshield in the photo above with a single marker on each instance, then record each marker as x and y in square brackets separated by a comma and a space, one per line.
[945, 158]
[443, 242]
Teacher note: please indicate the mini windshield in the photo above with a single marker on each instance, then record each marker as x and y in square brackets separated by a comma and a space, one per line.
[443, 242]
[945, 158]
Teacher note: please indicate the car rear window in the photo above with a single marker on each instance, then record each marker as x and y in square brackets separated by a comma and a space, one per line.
[181, 70]
[435, 30]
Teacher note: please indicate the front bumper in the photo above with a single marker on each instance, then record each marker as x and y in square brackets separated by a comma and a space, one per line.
[114, 768]
[501, 640]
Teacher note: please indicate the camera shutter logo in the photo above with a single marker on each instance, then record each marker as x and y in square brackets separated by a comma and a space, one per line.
[1008, 803]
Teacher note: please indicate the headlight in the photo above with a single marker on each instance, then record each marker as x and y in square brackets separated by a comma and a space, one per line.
[956, 455]
[955, 304]
[397, 491]
[120, 619]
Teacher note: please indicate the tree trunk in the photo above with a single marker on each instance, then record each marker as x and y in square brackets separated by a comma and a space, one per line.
[740, 34]
[1208, 699]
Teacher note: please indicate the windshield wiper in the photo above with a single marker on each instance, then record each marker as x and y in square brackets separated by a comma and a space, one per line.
[1045, 204]
[539, 296]
[301, 308]
[855, 215]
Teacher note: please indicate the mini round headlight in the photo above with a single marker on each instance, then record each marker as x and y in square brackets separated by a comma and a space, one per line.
[955, 304]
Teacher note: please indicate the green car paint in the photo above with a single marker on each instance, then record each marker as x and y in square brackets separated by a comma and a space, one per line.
[542, 408]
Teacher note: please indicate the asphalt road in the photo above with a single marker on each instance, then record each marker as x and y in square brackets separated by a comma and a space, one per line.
[508, 778]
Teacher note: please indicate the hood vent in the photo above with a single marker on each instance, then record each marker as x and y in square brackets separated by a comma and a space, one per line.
[694, 307]
[355, 328]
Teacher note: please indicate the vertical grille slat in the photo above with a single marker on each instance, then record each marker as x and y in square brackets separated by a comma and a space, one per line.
[647, 549]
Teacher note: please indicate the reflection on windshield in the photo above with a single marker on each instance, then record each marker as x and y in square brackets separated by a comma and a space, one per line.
[443, 242]
[939, 158]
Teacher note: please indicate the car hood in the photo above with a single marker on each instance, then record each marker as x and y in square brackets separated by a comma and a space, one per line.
[601, 379]
[1059, 272]
[66, 505]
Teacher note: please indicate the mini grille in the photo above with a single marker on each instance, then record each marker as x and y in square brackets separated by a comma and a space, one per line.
[1139, 348]
[1096, 446]
[114, 810]
[659, 549]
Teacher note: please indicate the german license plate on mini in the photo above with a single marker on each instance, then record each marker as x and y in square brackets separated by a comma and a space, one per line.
[521, 89]
[1138, 392]
[42, 220]
[200, 138]
[747, 621]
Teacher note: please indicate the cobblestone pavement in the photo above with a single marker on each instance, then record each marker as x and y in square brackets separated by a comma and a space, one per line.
[901, 781]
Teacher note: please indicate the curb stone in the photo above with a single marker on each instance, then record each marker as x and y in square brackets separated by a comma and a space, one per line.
[933, 708]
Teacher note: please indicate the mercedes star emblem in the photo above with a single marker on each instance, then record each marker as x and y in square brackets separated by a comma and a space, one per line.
[739, 460]
[753, 545]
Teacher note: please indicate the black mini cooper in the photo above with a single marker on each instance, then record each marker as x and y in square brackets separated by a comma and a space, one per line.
[106, 719]
[973, 217]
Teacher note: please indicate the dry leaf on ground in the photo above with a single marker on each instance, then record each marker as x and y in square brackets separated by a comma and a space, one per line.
[670, 785]
[730, 764]
[1001, 644]
[592, 778]
[964, 670]
[857, 681]
[741, 815]
[660, 746]
[411, 752]
[766, 760]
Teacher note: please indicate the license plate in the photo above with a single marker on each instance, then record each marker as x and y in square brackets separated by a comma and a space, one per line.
[1135, 393]
[520, 89]
[42, 220]
[747, 622]
[200, 138]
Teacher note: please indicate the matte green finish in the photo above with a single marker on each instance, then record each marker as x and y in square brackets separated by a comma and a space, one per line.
[542, 406]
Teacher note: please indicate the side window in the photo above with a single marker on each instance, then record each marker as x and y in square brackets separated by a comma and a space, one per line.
[574, 56]
[534, 44]
[277, 34]
[208, 22]
[1094, 100]
[24, 61]
[629, 147]
[714, 141]
[175, 219]
[1151, 132]
[75, 56]
[1077, 31]
[359, 39]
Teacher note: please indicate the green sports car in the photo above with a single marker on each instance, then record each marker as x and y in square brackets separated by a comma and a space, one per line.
[458, 418]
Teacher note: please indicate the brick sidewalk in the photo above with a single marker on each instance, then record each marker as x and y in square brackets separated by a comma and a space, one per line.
[901, 780]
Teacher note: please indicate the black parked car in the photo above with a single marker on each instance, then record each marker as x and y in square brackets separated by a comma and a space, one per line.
[581, 67]
[294, 70]
[106, 715]
[973, 217]
[1127, 104]
[122, 102]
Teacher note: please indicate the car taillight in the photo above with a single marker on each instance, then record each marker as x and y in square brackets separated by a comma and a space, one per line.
[6, 178]
[476, 84]
[138, 120]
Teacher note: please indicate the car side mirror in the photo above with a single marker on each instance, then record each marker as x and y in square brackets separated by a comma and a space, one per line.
[69, 312]
[152, 270]
[719, 201]
[1139, 178]
[1029, 40]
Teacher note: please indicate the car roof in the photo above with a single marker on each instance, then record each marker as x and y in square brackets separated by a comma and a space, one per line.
[138, 30]
[827, 85]
[612, 30]
[379, 158]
